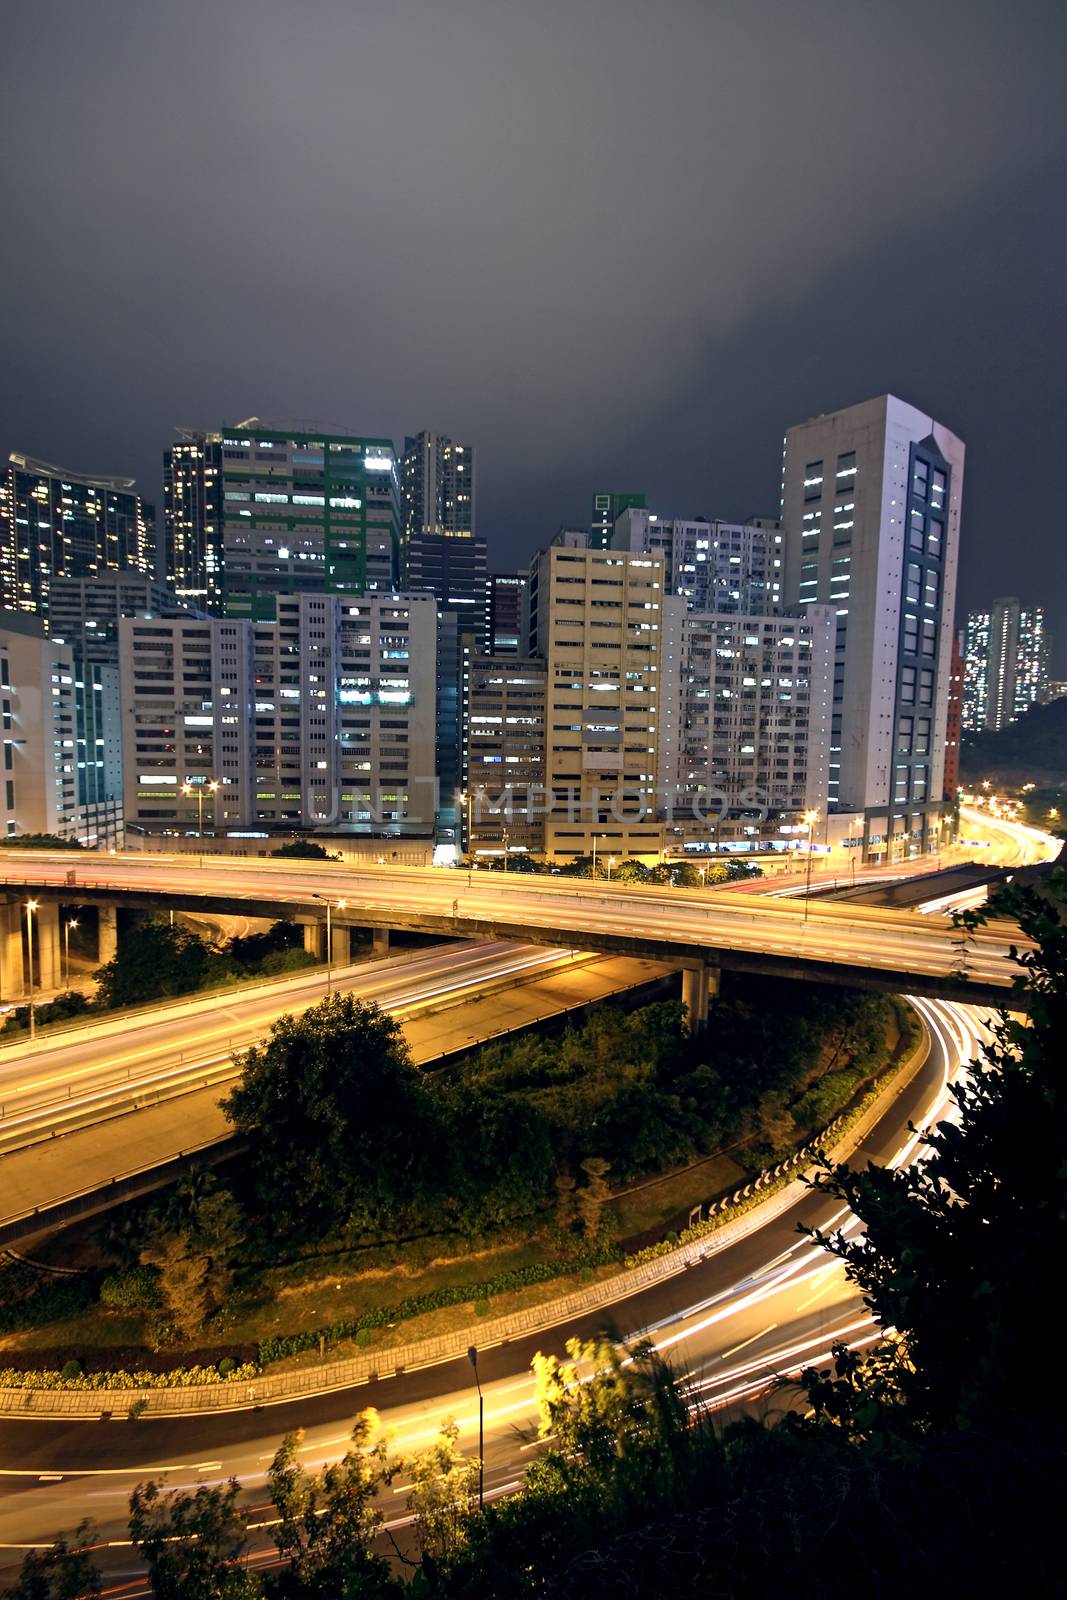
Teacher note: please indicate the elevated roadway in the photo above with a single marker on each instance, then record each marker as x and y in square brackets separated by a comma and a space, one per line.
[872, 948]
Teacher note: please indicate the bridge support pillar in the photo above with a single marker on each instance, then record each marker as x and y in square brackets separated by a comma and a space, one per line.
[47, 947]
[341, 939]
[315, 939]
[380, 947]
[699, 985]
[107, 936]
[12, 975]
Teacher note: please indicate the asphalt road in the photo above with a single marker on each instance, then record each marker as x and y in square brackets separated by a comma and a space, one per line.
[554, 910]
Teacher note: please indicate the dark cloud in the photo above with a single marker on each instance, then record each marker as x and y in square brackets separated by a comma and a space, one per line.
[612, 243]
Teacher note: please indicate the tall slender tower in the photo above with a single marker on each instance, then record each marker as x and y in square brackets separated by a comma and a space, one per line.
[870, 508]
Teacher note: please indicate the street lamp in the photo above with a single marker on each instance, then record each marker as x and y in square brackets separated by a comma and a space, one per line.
[506, 836]
[810, 819]
[596, 836]
[472, 1357]
[198, 789]
[329, 937]
[611, 863]
[71, 922]
[31, 907]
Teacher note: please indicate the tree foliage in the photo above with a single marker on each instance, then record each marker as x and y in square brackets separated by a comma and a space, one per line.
[954, 1249]
[66, 1571]
[192, 1543]
[303, 850]
[155, 962]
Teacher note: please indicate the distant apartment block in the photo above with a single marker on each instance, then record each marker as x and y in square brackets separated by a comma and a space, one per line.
[954, 719]
[714, 566]
[193, 518]
[506, 590]
[1006, 664]
[38, 781]
[85, 612]
[437, 486]
[504, 701]
[55, 523]
[300, 512]
[752, 716]
[320, 718]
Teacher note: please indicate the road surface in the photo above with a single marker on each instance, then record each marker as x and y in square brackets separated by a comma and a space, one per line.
[858, 944]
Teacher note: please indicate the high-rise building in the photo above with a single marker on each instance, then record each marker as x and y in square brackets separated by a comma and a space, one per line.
[323, 717]
[456, 572]
[504, 742]
[300, 512]
[85, 612]
[752, 714]
[38, 783]
[606, 510]
[595, 617]
[55, 523]
[193, 518]
[954, 720]
[1007, 664]
[437, 486]
[505, 612]
[870, 511]
[716, 566]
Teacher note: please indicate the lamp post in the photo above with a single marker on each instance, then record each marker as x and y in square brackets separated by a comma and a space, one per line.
[810, 819]
[472, 1357]
[71, 922]
[611, 863]
[596, 836]
[31, 907]
[507, 840]
[198, 790]
[329, 937]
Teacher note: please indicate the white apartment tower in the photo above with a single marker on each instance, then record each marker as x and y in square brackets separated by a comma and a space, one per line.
[322, 718]
[870, 511]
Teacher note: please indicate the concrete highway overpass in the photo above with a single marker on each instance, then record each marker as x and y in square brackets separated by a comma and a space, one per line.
[701, 931]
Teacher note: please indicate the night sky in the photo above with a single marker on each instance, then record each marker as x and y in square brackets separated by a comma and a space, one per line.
[614, 245]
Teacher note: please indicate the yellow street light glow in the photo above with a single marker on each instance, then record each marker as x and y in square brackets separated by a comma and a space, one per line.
[31, 905]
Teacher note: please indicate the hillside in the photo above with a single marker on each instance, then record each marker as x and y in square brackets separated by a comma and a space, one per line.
[1030, 750]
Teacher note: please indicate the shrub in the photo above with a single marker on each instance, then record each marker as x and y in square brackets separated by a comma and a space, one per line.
[226, 1366]
[363, 1338]
[482, 1308]
[176, 1378]
[134, 1290]
[71, 1369]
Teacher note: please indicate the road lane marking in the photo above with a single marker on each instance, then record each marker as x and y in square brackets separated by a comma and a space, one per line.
[746, 1342]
